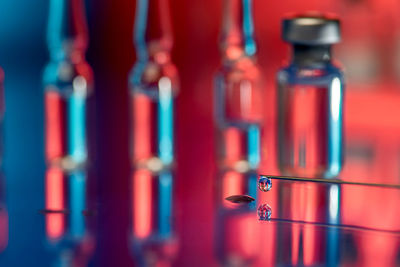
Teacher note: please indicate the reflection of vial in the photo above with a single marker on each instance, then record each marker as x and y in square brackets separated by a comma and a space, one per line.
[4, 221]
[154, 242]
[68, 85]
[310, 99]
[232, 218]
[68, 215]
[153, 83]
[238, 93]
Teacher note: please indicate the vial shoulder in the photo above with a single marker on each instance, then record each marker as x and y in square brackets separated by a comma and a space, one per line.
[294, 74]
[151, 78]
[245, 69]
[63, 73]
[149, 74]
[66, 78]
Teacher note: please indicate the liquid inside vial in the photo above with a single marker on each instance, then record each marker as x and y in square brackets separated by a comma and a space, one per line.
[310, 129]
[240, 147]
[68, 109]
[153, 126]
[238, 107]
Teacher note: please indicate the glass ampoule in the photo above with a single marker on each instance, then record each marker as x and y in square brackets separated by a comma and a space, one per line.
[2, 110]
[310, 100]
[238, 93]
[68, 84]
[238, 115]
[4, 218]
[153, 85]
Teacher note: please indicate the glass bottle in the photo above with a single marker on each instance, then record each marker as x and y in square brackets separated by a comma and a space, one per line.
[310, 99]
[153, 85]
[238, 93]
[68, 83]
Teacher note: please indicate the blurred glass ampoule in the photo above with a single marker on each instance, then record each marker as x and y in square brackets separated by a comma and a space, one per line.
[2, 110]
[238, 93]
[153, 88]
[68, 84]
[238, 115]
[3, 206]
[69, 100]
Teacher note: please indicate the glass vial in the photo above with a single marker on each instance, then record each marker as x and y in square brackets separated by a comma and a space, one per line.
[68, 84]
[238, 93]
[310, 100]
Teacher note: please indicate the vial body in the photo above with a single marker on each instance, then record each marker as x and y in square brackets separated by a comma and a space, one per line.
[238, 115]
[68, 105]
[310, 120]
[152, 102]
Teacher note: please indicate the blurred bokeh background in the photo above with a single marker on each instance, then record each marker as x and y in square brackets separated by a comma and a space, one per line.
[369, 52]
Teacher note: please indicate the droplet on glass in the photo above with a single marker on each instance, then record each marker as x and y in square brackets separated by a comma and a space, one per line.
[240, 199]
[265, 183]
[264, 212]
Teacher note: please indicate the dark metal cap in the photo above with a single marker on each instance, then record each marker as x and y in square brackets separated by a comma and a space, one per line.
[311, 29]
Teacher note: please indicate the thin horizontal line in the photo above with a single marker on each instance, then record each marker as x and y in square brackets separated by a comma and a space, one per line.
[51, 211]
[331, 181]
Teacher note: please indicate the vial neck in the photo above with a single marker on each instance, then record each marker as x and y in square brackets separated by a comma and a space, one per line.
[152, 31]
[311, 55]
[236, 39]
[67, 34]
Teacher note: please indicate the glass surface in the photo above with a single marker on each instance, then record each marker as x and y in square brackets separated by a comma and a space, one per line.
[315, 222]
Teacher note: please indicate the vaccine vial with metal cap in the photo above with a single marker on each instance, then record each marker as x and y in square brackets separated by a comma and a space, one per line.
[310, 99]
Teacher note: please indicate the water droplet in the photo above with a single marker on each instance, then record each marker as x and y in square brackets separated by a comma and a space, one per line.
[265, 183]
[264, 212]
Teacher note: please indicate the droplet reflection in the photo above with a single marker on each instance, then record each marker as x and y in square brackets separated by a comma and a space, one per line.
[264, 212]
